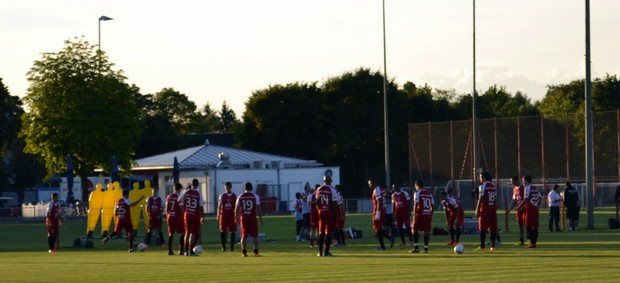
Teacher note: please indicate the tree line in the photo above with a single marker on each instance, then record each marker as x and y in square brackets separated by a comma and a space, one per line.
[78, 104]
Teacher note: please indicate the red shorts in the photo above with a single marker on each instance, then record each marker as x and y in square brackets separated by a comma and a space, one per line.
[531, 218]
[155, 223]
[314, 218]
[487, 222]
[377, 225]
[175, 225]
[249, 227]
[520, 217]
[422, 224]
[52, 229]
[458, 221]
[401, 218]
[227, 223]
[340, 220]
[192, 226]
[327, 224]
[123, 224]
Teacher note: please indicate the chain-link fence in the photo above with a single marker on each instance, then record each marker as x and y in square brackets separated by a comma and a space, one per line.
[546, 148]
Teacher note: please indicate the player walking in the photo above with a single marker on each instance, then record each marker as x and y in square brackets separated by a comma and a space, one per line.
[226, 216]
[174, 218]
[328, 211]
[52, 221]
[246, 211]
[423, 216]
[486, 210]
[192, 218]
[154, 210]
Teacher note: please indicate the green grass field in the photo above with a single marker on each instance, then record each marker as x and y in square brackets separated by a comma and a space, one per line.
[586, 255]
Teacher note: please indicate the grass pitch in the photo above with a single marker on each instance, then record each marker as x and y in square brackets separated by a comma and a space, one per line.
[586, 255]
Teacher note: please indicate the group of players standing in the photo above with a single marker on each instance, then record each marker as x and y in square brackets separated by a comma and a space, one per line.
[320, 216]
[526, 199]
[320, 213]
[399, 218]
[184, 215]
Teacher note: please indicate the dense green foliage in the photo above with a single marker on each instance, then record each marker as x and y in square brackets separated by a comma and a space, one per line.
[79, 105]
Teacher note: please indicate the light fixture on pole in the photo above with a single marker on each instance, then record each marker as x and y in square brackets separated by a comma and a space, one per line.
[102, 18]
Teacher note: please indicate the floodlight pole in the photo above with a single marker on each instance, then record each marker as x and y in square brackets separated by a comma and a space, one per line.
[102, 18]
[386, 135]
[474, 118]
[588, 117]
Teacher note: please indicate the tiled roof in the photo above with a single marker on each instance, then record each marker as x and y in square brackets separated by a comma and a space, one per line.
[206, 156]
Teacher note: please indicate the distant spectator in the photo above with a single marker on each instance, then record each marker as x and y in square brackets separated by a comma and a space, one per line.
[571, 202]
[555, 200]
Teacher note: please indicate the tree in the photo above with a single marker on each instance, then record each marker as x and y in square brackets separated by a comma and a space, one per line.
[10, 146]
[80, 106]
[285, 120]
[353, 105]
[181, 111]
[227, 119]
[10, 111]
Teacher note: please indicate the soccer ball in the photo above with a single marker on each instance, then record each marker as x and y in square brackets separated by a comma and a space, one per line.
[198, 249]
[142, 247]
[459, 249]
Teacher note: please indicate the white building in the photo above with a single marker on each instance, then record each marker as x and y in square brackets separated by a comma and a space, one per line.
[275, 178]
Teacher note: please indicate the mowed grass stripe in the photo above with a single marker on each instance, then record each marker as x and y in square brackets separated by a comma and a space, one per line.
[586, 255]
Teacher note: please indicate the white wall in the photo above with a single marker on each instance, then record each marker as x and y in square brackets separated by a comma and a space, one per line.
[291, 180]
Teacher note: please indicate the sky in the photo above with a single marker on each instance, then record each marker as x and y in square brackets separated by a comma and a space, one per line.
[222, 51]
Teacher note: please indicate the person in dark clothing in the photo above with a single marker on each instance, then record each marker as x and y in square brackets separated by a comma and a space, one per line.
[571, 202]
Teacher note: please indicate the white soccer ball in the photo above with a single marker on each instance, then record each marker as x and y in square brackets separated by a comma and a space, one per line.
[198, 249]
[459, 249]
[142, 247]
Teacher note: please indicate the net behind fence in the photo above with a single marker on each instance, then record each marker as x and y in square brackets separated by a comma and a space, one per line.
[547, 148]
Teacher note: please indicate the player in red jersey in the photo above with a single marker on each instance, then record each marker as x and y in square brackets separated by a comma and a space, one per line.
[340, 241]
[486, 210]
[328, 211]
[193, 216]
[517, 198]
[247, 209]
[154, 210]
[401, 201]
[174, 219]
[52, 222]
[226, 216]
[123, 219]
[423, 216]
[455, 216]
[314, 215]
[531, 204]
[299, 217]
[378, 211]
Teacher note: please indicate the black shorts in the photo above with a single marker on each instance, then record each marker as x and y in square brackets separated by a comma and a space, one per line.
[572, 213]
[306, 223]
[389, 221]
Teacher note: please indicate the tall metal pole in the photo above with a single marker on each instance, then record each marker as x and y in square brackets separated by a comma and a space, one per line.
[102, 18]
[588, 117]
[474, 118]
[386, 136]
